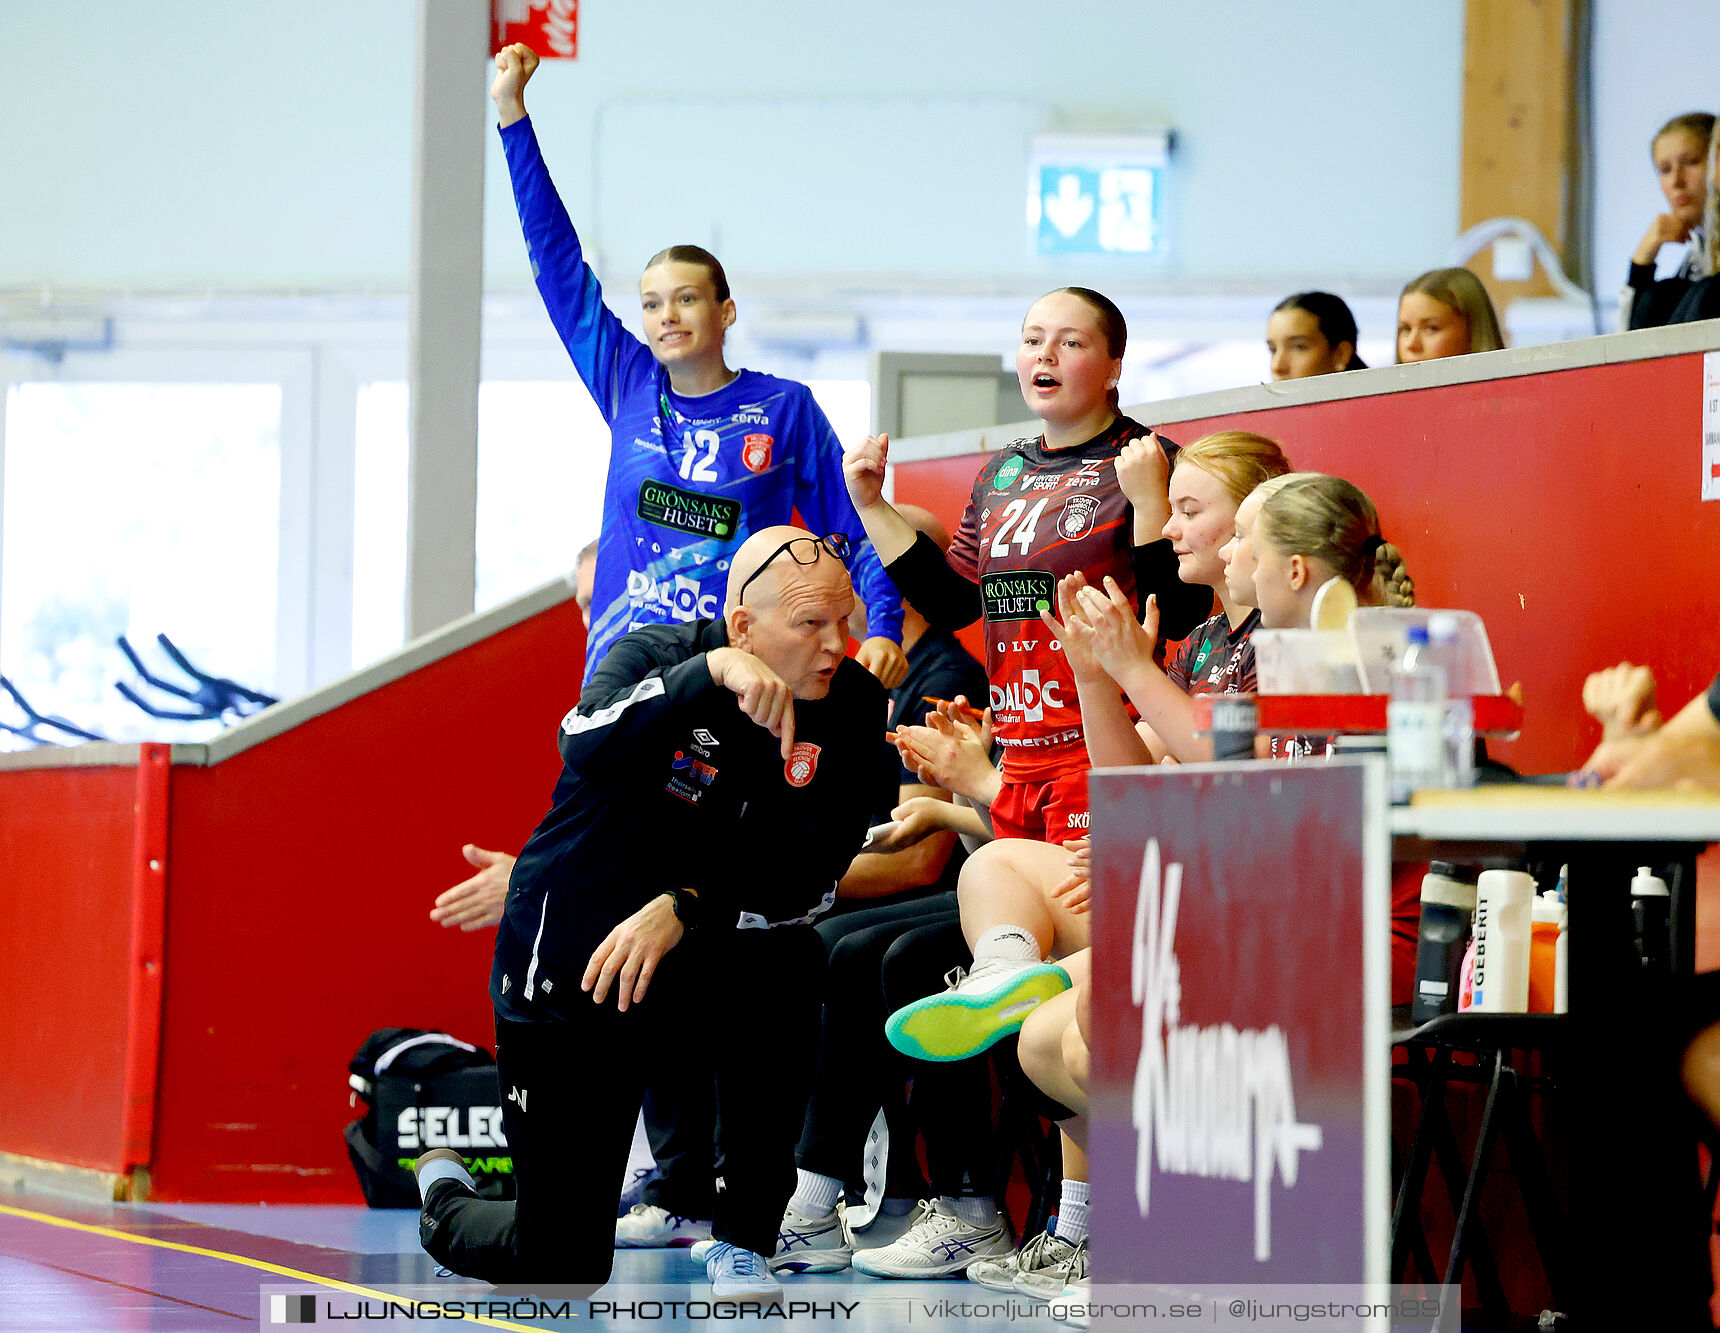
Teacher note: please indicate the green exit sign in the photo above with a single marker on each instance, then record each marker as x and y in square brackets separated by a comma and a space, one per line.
[1097, 194]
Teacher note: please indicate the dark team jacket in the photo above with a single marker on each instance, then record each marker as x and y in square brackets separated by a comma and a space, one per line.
[667, 784]
[1035, 516]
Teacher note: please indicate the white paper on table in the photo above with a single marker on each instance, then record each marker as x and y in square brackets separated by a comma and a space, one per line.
[1711, 426]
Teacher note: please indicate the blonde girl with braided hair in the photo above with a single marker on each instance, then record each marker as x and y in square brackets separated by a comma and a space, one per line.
[1314, 528]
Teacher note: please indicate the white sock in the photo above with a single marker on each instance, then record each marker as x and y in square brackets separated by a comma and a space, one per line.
[1072, 1211]
[814, 1195]
[1007, 942]
[444, 1168]
[976, 1212]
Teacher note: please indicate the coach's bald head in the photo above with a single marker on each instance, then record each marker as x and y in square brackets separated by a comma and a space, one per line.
[788, 602]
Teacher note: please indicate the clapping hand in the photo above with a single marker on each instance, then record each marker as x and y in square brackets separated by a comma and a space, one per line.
[1118, 641]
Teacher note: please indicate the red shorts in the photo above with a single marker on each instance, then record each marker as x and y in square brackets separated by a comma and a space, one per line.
[1054, 811]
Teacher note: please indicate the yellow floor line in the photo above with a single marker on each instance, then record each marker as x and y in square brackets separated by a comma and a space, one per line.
[247, 1261]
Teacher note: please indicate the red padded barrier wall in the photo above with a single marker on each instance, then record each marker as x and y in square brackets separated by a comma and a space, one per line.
[1562, 507]
[66, 847]
[300, 877]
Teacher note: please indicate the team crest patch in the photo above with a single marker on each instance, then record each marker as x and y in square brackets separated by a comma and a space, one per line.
[1076, 520]
[756, 452]
[802, 764]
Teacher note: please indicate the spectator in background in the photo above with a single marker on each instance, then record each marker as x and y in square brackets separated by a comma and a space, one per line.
[1445, 312]
[1311, 333]
[1679, 151]
[1702, 301]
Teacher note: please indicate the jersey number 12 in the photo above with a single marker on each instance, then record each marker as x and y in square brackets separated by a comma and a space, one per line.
[702, 471]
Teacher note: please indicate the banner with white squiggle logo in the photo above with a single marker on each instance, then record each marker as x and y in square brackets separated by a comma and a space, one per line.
[1241, 945]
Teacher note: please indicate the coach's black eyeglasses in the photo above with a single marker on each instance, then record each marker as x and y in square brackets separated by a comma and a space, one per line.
[803, 551]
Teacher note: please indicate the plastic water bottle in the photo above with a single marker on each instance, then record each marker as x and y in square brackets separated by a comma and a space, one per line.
[1650, 902]
[1546, 925]
[1502, 904]
[1444, 648]
[1562, 964]
[1447, 907]
[1415, 720]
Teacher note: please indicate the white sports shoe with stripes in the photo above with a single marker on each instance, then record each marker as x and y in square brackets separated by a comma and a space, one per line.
[648, 1227]
[937, 1244]
[812, 1244]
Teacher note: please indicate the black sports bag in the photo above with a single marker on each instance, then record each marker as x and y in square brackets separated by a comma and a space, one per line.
[425, 1090]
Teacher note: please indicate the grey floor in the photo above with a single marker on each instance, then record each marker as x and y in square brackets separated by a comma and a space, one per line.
[94, 1267]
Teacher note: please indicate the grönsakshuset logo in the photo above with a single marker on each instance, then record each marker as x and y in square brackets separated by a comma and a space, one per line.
[1208, 1101]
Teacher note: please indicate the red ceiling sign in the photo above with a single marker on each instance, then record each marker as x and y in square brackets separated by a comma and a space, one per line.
[549, 27]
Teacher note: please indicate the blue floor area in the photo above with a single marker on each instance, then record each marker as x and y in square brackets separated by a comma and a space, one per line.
[94, 1268]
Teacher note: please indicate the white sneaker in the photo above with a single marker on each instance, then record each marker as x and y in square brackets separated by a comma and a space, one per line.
[979, 1008]
[1052, 1278]
[894, 1217]
[1077, 1302]
[648, 1227]
[739, 1277]
[938, 1244]
[811, 1244]
[1043, 1253]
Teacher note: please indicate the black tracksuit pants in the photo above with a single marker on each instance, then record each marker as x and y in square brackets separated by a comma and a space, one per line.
[574, 1089]
[880, 959]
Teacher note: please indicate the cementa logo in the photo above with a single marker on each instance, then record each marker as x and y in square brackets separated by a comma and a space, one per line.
[1020, 594]
[688, 511]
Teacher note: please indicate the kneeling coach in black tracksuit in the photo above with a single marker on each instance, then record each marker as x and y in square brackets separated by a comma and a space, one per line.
[718, 780]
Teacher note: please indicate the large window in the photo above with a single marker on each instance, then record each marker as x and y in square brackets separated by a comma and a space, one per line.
[137, 509]
[543, 452]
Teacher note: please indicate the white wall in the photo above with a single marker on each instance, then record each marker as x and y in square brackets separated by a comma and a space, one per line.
[1653, 59]
[189, 144]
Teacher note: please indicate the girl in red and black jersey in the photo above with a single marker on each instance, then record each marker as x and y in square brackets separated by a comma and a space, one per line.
[1089, 496]
[1021, 900]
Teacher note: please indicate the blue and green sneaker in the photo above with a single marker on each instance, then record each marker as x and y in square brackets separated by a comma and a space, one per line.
[979, 1009]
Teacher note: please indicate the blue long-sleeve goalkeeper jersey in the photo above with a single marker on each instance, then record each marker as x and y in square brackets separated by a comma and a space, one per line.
[690, 478]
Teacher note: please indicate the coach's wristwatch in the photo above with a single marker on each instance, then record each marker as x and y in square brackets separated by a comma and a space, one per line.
[688, 910]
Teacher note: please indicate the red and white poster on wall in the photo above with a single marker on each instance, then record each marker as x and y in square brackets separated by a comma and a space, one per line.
[548, 27]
